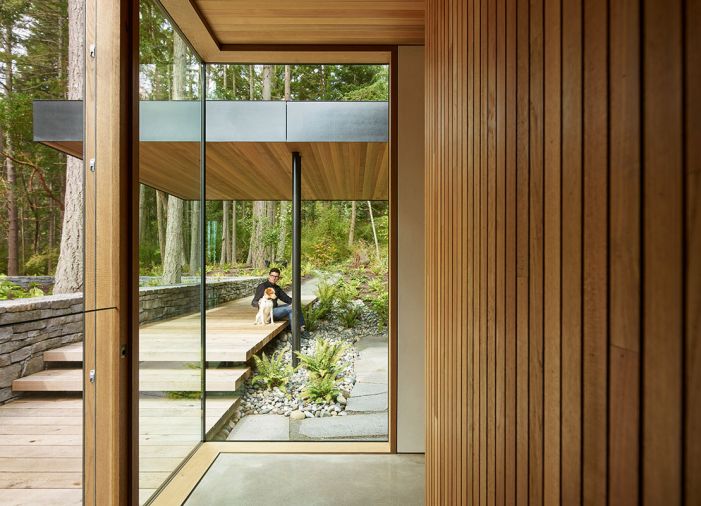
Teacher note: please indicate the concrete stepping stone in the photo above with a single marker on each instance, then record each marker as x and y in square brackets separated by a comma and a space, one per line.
[361, 388]
[261, 428]
[377, 402]
[356, 426]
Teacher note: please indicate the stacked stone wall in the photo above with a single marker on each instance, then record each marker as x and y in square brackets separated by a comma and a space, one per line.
[29, 327]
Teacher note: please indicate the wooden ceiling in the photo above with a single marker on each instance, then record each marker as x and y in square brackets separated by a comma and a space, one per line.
[242, 31]
[263, 170]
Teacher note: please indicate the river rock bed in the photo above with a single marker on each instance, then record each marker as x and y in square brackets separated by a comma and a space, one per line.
[256, 400]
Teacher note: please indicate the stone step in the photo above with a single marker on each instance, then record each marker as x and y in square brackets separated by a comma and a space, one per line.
[150, 380]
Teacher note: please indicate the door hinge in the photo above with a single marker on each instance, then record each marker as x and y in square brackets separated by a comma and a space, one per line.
[92, 165]
[92, 50]
[92, 375]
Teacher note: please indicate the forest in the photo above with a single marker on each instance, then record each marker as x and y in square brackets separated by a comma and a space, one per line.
[41, 54]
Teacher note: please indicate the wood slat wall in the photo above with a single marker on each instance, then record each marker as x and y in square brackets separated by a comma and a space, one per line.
[563, 252]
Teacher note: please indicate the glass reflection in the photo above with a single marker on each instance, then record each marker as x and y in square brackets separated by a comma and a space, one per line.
[170, 346]
[339, 391]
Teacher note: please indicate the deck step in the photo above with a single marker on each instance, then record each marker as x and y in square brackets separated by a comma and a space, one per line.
[231, 337]
[151, 380]
[69, 353]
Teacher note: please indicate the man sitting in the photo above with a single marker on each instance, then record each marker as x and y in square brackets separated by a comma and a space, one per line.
[279, 312]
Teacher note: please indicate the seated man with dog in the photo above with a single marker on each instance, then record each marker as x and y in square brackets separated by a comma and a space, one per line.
[279, 312]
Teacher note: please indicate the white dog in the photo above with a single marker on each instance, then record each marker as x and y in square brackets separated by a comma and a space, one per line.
[265, 307]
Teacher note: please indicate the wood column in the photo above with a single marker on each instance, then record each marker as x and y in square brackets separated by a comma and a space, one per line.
[111, 287]
[563, 247]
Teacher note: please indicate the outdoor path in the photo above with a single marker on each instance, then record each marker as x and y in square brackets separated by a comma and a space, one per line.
[366, 418]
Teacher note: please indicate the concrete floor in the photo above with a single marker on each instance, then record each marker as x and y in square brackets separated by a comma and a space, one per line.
[288, 480]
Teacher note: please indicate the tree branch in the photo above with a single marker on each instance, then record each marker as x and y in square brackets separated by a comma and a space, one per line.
[40, 174]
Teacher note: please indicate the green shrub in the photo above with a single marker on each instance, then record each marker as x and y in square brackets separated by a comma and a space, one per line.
[325, 359]
[350, 315]
[321, 390]
[347, 291]
[380, 305]
[312, 315]
[9, 290]
[272, 371]
[377, 285]
[325, 291]
[38, 265]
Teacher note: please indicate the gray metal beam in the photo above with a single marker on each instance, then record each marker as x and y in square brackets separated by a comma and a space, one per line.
[296, 254]
[230, 121]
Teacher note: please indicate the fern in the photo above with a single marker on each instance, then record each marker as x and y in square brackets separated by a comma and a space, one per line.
[325, 360]
[350, 315]
[272, 371]
[321, 390]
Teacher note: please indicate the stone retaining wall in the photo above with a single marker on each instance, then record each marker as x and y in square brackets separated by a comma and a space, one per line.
[29, 327]
[161, 302]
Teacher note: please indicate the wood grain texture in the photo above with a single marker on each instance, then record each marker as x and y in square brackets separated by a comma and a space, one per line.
[582, 188]
[263, 170]
[692, 380]
[662, 252]
[314, 21]
[624, 259]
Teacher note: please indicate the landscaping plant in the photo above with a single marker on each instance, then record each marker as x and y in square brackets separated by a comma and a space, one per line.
[9, 290]
[321, 390]
[325, 361]
[272, 371]
[350, 315]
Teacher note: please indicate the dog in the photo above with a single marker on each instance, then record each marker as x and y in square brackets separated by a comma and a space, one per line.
[265, 307]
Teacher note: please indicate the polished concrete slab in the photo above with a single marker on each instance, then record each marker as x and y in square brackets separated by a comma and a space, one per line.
[292, 479]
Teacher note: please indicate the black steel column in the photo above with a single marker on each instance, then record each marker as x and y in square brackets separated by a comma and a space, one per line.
[296, 253]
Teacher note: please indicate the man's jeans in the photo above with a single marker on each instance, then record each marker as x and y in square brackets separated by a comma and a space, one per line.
[285, 313]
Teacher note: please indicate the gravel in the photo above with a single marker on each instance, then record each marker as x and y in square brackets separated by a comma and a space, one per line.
[257, 400]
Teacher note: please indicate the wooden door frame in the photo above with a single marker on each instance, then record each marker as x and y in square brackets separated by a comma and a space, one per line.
[111, 252]
[111, 282]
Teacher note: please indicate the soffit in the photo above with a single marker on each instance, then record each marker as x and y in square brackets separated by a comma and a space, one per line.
[263, 170]
[279, 31]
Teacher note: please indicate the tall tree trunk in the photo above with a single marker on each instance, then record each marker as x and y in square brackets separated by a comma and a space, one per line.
[225, 248]
[232, 254]
[195, 236]
[288, 82]
[282, 230]
[270, 225]
[69, 270]
[142, 219]
[161, 213]
[374, 232]
[257, 249]
[267, 81]
[11, 190]
[172, 266]
[351, 227]
[250, 82]
[174, 254]
[12, 231]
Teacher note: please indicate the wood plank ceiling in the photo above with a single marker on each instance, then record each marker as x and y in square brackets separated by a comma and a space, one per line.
[230, 30]
[263, 170]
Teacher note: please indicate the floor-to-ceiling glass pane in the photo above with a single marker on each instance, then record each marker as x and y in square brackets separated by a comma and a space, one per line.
[42, 270]
[170, 353]
[336, 117]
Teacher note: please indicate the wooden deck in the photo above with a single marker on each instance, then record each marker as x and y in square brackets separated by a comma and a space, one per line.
[41, 445]
[41, 437]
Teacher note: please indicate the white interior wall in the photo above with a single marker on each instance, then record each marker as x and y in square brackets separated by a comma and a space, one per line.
[410, 246]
